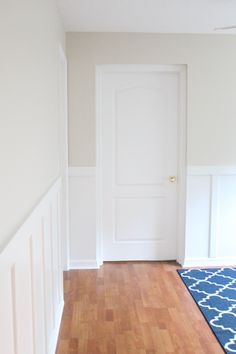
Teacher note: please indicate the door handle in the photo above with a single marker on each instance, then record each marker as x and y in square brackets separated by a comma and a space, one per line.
[172, 179]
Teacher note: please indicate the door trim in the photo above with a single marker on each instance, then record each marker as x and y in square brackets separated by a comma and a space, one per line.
[63, 142]
[181, 70]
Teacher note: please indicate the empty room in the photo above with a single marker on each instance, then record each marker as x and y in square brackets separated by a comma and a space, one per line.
[118, 177]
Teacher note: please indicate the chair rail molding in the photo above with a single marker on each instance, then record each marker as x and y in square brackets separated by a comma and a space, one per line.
[82, 171]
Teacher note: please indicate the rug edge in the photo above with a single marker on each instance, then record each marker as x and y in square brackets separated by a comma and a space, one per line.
[195, 301]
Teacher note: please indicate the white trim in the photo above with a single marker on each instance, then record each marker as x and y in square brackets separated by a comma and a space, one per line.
[63, 138]
[213, 216]
[54, 338]
[27, 267]
[35, 214]
[182, 165]
[182, 148]
[211, 170]
[214, 180]
[139, 68]
[84, 264]
[99, 238]
[82, 171]
[208, 262]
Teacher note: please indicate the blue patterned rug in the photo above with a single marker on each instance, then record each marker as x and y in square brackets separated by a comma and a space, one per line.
[214, 291]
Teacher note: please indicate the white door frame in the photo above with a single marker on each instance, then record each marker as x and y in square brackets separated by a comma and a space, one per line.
[63, 142]
[181, 70]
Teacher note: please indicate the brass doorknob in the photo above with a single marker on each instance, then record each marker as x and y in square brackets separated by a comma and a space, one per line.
[172, 179]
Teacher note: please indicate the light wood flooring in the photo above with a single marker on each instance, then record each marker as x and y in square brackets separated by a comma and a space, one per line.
[132, 308]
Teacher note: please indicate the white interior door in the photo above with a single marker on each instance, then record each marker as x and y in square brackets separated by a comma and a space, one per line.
[139, 153]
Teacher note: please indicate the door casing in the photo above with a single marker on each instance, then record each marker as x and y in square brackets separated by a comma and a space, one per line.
[181, 70]
[63, 142]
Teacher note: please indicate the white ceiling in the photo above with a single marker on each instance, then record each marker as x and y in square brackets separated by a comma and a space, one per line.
[150, 16]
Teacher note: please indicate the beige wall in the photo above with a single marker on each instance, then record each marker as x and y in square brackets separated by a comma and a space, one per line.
[211, 61]
[30, 33]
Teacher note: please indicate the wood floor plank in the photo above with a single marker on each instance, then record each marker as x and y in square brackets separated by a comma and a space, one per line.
[132, 308]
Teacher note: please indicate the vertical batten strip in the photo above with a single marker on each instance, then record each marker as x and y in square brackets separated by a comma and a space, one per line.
[32, 291]
[44, 286]
[56, 244]
[59, 254]
[14, 316]
[210, 214]
[213, 224]
[52, 267]
[60, 249]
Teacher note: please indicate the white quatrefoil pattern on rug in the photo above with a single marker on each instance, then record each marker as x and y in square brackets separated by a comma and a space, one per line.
[214, 290]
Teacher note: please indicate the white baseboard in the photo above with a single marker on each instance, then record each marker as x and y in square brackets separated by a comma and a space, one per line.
[84, 264]
[208, 262]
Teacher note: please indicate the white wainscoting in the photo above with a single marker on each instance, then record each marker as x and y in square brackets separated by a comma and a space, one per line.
[82, 196]
[31, 295]
[211, 216]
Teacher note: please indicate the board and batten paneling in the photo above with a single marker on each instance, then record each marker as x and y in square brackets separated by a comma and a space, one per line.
[31, 296]
[211, 216]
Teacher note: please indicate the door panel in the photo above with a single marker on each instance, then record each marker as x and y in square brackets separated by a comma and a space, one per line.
[139, 152]
[137, 110]
[136, 219]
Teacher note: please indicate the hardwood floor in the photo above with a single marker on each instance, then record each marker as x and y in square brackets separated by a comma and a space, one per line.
[132, 308]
